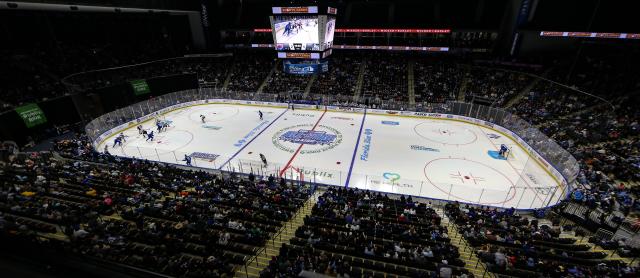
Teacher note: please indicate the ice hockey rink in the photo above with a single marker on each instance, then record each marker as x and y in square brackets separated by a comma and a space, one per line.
[440, 159]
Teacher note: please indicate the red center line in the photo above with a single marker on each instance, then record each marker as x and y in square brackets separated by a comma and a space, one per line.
[300, 147]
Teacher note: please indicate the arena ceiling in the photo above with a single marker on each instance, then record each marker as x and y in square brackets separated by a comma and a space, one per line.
[567, 15]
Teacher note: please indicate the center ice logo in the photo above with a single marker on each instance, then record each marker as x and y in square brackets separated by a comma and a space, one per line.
[317, 140]
[309, 137]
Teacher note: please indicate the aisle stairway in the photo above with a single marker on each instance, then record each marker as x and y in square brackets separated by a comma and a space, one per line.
[359, 81]
[594, 108]
[255, 265]
[411, 84]
[466, 80]
[266, 79]
[472, 262]
[307, 89]
[227, 79]
[525, 91]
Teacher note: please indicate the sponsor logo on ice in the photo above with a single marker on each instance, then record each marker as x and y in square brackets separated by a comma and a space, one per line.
[390, 123]
[303, 115]
[343, 118]
[251, 133]
[212, 127]
[423, 148]
[367, 144]
[202, 155]
[391, 176]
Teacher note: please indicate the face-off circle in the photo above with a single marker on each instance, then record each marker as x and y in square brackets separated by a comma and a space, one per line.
[447, 134]
[163, 143]
[317, 140]
[455, 176]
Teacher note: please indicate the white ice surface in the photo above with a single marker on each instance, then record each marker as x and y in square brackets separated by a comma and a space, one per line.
[449, 159]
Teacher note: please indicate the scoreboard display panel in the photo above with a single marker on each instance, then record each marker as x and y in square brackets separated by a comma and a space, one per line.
[329, 31]
[295, 10]
[303, 29]
[296, 33]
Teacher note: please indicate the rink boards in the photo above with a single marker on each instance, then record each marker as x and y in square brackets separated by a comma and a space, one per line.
[527, 181]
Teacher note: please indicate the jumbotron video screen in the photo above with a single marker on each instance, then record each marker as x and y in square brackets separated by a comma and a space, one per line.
[303, 29]
[298, 32]
[329, 32]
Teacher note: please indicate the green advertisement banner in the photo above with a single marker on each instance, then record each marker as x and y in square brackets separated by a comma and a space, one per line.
[140, 87]
[31, 114]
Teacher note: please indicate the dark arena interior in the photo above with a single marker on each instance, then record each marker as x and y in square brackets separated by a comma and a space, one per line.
[333, 138]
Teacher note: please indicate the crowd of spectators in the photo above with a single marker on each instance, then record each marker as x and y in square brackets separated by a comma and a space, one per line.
[138, 213]
[514, 245]
[547, 101]
[604, 140]
[35, 74]
[606, 71]
[187, 223]
[26, 79]
[600, 129]
[605, 143]
[281, 83]
[437, 79]
[385, 78]
[341, 78]
[495, 86]
[355, 233]
[249, 70]
[210, 71]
